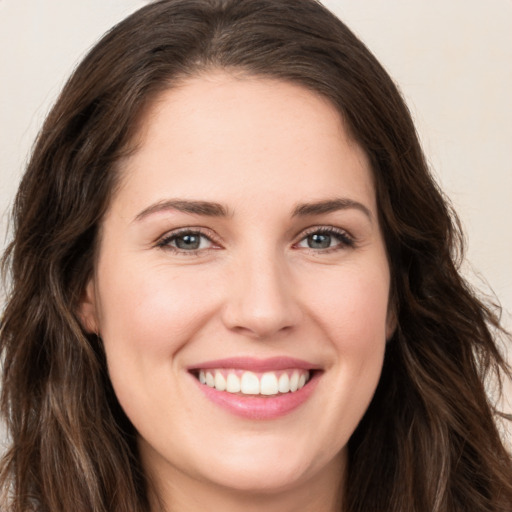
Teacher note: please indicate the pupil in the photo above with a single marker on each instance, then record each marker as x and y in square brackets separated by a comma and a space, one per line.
[319, 241]
[188, 242]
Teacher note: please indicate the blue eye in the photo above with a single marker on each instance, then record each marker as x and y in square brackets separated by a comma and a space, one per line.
[328, 238]
[319, 241]
[186, 241]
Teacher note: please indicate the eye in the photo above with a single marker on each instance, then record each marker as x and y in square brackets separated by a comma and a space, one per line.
[186, 241]
[325, 239]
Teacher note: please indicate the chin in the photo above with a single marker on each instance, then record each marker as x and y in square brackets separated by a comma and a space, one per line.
[269, 478]
[272, 468]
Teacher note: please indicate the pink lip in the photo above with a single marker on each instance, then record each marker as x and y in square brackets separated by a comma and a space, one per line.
[257, 365]
[259, 407]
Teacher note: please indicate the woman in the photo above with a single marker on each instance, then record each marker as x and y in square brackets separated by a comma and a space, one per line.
[235, 284]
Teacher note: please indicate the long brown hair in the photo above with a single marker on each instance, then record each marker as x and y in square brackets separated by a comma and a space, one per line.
[428, 441]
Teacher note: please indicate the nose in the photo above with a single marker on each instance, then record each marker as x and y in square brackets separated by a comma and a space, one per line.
[262, 299]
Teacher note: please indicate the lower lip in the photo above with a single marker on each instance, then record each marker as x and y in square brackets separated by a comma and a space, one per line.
[260, 407]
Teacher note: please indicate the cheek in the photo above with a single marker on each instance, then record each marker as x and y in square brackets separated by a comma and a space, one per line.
[152, 312]
[352, 308]
[352, 311]
[146, 318]
[349, 307]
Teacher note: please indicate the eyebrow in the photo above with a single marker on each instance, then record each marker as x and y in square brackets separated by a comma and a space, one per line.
[212, 209]
[206, 208]
[328, 206]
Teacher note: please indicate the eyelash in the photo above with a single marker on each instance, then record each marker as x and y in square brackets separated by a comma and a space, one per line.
[345, 240]
[166, 241]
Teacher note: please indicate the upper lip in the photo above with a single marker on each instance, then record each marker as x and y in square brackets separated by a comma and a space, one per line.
[256, 365]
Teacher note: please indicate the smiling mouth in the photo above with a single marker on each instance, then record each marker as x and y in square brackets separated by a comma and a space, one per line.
[257, 389]
[244, 382]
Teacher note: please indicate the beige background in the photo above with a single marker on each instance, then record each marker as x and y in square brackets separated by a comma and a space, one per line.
[451, 58]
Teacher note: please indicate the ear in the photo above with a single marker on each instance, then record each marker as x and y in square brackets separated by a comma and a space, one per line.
[391, 322]
[87, 309]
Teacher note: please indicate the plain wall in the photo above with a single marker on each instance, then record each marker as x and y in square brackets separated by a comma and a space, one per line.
[452, 60]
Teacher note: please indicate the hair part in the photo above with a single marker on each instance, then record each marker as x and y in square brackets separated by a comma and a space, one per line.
[428, 441]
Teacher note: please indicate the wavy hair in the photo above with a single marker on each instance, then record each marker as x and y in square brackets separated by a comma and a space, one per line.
[428, 441]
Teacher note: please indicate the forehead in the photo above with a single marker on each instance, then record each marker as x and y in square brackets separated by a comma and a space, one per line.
[224, 136]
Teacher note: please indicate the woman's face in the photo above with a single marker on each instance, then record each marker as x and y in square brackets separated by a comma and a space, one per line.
[242, 249]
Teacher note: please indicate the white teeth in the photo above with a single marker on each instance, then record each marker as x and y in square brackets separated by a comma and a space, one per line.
[284, 383]
[294, 381]
[268, 384]
[233, 383]
[220, 381]
[250, 383]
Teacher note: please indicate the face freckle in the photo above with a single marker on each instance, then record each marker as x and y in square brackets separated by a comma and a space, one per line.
[243, 249]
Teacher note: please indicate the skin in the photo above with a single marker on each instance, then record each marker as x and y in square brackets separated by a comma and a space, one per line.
[255, 287]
